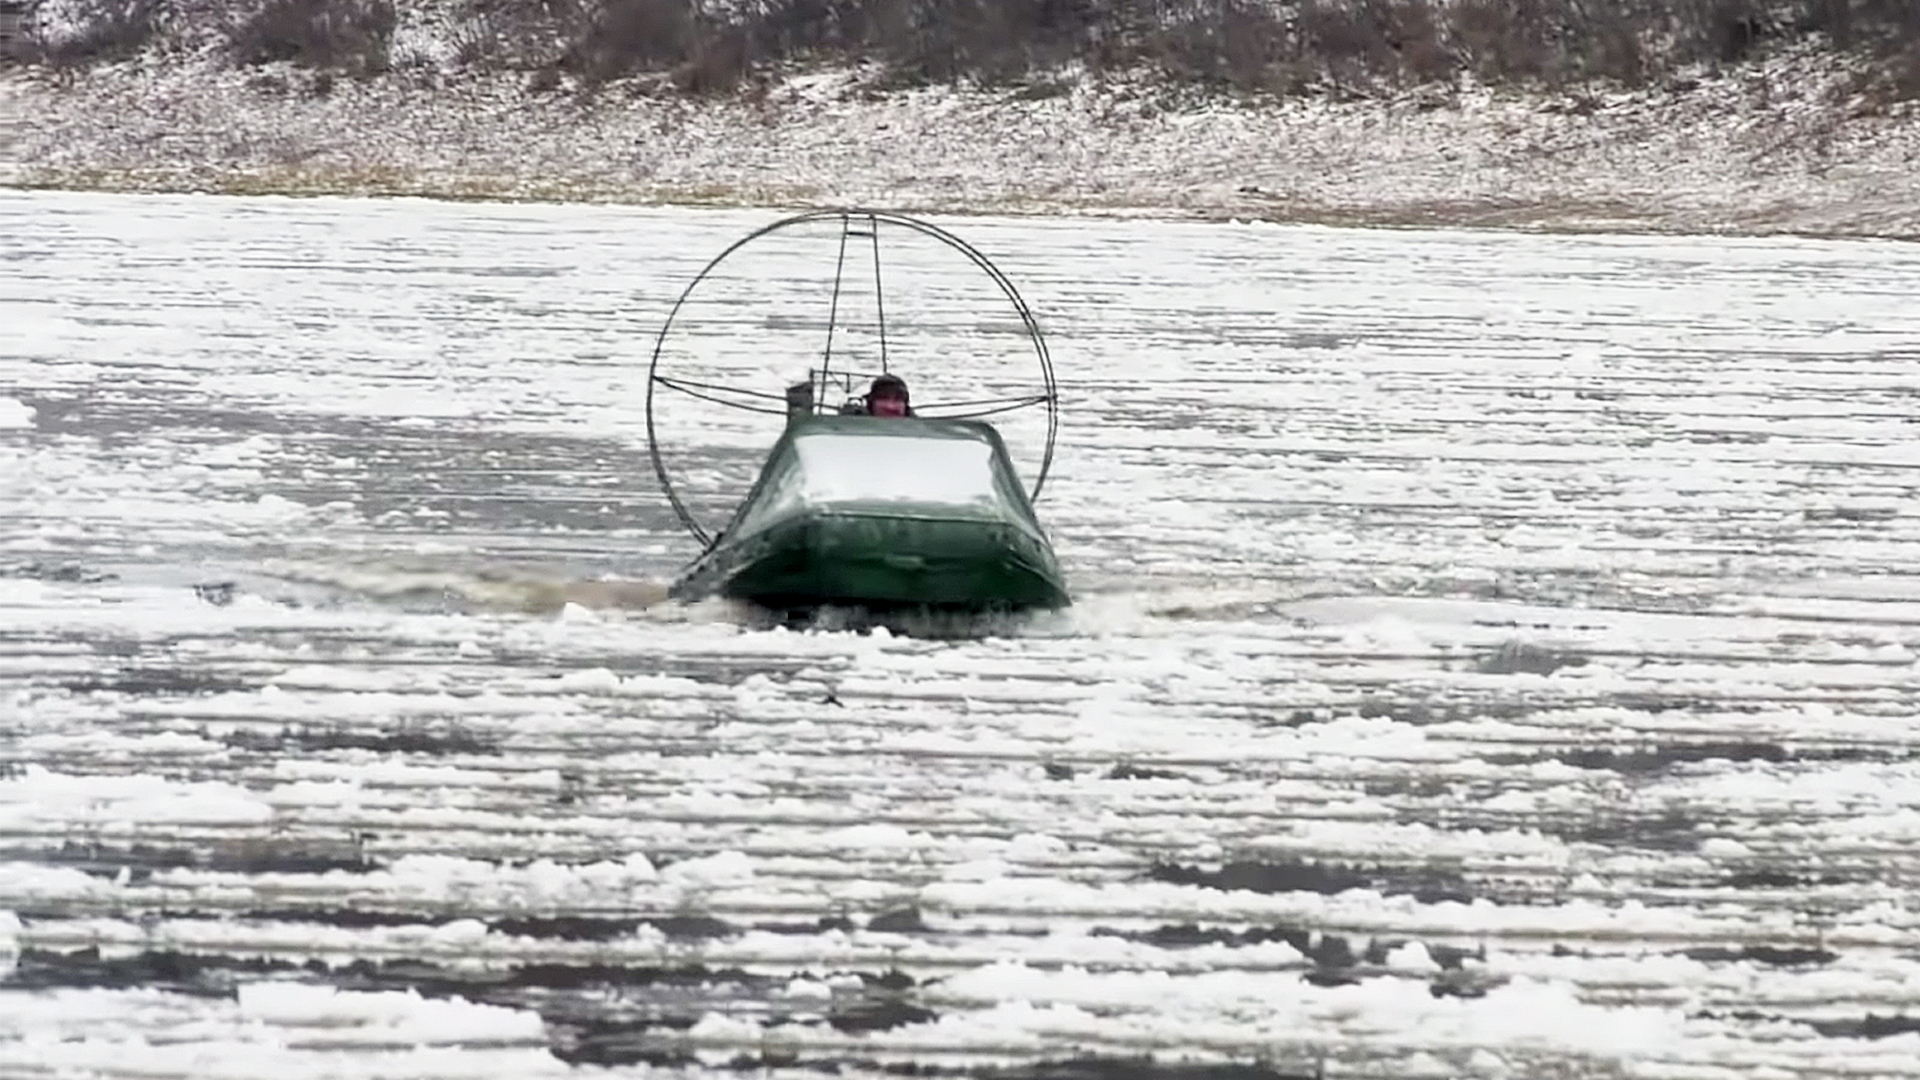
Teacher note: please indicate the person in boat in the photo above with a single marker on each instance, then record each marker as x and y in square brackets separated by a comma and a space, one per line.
[888, 397]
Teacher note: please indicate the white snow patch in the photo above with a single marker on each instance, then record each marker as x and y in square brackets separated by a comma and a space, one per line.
[123, 804]
[401, 1016]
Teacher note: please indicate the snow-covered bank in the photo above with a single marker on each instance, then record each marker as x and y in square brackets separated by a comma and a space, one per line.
[1778, 148]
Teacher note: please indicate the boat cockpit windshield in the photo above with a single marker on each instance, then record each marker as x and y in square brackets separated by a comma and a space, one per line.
[837, 467]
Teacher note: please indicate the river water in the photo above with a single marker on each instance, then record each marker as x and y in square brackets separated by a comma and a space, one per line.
[1493, 655]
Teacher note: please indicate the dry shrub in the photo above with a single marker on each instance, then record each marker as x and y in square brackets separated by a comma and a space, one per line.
[86, 31]
[1835, 19]
[1727, 31]
[619, 37]
[17, 40]
[1614, 51]
[1350, 38]
[700, 55]
[1260, 52]
[1894, 79]
[798, 27]
[348, 35]
[715, 66]
[1889, 30]
[988, 40]
[1903, 75]
[512, 35]
[1266, 46]
[1502, 40]
[1419, 38]
[1401, 42]
[544, 80]
[1239, 43]
[476, 41]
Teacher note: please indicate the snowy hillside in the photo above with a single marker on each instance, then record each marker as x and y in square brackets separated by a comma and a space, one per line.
[1795, 138]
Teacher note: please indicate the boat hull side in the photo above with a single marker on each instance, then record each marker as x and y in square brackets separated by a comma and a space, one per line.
[860, 511]
[883, 560]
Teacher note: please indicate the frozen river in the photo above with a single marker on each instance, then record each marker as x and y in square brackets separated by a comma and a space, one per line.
[1495, 656]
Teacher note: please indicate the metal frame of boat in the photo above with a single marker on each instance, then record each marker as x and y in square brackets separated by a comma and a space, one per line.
[853, 510]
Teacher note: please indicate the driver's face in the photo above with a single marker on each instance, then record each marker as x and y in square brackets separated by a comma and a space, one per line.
[888, 406]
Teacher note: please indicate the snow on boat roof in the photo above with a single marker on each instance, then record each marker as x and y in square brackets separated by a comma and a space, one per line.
[857, 466]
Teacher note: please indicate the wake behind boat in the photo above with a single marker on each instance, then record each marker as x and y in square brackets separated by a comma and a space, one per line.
[871, 504]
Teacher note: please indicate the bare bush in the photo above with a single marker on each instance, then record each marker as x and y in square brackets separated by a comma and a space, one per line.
[1418, 37]
[1890, 28]
[348, 35]
[1895, 79]
[1727, 31]
[1238, 43]
[16, 37]
[1258, 50]
[1503, 40]
[1615, 50]
[1289, 45]
[515, 35]
[989, 40]
[1341, 33]
[618, 37]
[800, 28]
[1265, 46]
[716, 63]
[84, 31]
[1902, 75]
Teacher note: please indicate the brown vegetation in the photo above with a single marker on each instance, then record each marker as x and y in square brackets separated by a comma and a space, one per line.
[348, 35]
[108, 30]
[1342, 47]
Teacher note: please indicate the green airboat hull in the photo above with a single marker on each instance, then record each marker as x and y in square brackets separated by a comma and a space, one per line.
[885, 514]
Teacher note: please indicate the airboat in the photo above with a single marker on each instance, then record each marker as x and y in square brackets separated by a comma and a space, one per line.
[922, 511]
